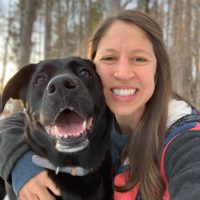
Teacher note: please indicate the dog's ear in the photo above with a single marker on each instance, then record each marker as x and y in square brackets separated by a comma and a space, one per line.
[16, 83]
[91, 63]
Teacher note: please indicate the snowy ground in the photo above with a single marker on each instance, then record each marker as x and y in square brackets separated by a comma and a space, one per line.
[6, 198]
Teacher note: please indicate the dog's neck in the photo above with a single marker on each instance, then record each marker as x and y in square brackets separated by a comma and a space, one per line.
[74, 170]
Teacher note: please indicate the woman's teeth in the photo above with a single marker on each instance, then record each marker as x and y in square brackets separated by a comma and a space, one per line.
[124, 92]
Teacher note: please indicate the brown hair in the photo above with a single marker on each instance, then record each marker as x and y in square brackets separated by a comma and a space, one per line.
[144, 147]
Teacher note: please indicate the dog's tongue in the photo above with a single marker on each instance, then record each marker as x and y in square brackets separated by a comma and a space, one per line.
[70, 124]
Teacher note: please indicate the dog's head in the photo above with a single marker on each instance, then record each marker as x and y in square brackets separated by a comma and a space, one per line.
[64, 104]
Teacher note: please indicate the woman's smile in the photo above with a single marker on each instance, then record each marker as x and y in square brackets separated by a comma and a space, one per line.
[123, 93]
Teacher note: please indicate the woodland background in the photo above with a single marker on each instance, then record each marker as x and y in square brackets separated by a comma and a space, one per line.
[31, 30]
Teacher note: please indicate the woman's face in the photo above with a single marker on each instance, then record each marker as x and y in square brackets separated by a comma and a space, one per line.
[126, 63]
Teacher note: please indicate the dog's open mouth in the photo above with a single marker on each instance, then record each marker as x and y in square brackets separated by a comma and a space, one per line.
[69, 125]
[70, 131]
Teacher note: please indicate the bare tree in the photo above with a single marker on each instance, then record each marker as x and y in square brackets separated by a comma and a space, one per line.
[196, 52]
[6, 45]
[111, 7]
[28, 10]
[126, 3]
[48, 28]
[144, 5]
[175, 49]
[187, 51]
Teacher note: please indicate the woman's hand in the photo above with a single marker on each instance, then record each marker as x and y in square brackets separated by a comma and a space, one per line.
[37, 188]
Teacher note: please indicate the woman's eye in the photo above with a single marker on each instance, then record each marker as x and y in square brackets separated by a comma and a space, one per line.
[84, 73]
[139, 59]
[108, 59]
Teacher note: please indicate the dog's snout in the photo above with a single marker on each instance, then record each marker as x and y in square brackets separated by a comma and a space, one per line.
[70, 84]
[60, 83]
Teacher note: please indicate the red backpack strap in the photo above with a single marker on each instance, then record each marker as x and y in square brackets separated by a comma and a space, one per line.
[166, 195]
[197, 127]
[120, 180]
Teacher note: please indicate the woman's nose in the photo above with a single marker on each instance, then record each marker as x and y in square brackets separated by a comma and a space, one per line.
[123, 71]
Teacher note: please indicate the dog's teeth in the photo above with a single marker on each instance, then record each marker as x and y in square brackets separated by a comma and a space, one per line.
[84, 125]
[56, 132]
[71, 108]
[47, 129]
[69, 134]
[65, 136]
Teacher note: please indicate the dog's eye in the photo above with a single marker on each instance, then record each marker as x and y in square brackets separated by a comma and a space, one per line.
[39, 80]
[84, 73]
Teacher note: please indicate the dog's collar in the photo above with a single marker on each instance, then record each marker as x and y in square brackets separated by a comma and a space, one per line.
[74, 171]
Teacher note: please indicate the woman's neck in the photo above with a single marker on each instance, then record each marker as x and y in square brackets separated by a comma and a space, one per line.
[127, 124]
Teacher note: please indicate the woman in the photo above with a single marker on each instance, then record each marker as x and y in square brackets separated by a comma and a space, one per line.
[133, 65]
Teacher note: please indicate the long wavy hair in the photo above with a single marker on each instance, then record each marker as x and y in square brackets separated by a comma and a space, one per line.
[144, 148]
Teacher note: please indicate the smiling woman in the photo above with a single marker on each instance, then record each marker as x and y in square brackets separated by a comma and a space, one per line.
[134, 67]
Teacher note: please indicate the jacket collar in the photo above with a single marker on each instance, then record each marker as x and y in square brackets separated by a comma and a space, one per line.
[176, 110]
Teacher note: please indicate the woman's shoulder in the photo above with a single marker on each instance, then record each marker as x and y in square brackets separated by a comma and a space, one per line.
[182, 166]
[183, 142]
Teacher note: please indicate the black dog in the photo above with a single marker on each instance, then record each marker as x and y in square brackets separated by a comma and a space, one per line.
[2, 189]
[68, 123]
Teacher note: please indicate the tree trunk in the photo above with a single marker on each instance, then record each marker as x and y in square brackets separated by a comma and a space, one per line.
[187, 49]
[48, 25]
[196, 50]
[7, 40]
[176, 48]
[144, 5]
[28, 17]
[111, 7]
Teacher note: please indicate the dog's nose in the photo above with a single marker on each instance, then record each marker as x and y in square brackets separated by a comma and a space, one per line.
[61, 83]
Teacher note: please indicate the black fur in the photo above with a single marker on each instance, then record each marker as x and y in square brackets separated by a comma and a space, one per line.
[48, 88]
[2, 189]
